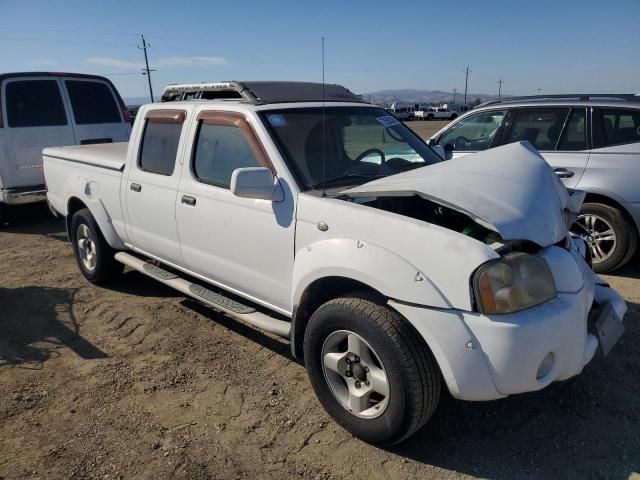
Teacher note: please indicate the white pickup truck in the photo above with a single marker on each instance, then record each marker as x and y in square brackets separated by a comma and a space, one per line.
[435, 113]
[306, 212]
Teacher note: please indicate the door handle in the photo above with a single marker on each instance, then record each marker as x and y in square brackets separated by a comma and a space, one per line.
[136, 187]
[189, 200]
[563, 172]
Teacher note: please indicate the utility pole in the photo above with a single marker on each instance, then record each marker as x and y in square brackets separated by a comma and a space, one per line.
[147, 71]
[455, 90]
[499, 82]
[466, 83]
[539, 90]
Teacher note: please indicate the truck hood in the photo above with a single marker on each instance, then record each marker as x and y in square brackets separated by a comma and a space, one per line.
[509, 189]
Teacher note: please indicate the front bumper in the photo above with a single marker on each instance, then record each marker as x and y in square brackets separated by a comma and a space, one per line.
[23, 195]
[484, 357]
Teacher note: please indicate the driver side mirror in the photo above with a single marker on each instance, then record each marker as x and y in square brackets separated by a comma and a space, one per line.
[256, 182]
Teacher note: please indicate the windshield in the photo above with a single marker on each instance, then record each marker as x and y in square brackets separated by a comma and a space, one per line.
[360, 144]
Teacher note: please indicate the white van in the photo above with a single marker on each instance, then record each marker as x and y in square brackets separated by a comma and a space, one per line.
[39, 110]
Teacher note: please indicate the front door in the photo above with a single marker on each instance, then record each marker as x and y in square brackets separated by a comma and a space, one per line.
[242, 244]
[152, 183]
[474, 133]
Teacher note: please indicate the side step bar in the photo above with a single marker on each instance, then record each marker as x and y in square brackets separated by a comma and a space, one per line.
[224, 304]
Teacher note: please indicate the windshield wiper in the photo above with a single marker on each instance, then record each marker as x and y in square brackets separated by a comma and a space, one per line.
[335, 180]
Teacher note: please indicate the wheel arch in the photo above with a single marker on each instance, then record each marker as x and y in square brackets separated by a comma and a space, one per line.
[314, 295]
[101, 217]
[598, 197]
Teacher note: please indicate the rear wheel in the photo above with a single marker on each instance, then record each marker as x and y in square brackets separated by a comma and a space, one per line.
[2, 215]
[94, 256]
[609, 235]
[370, 370]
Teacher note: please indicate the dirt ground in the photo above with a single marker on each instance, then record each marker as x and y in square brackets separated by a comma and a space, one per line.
[135, 381]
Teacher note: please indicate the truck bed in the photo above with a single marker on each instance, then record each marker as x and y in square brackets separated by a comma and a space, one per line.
[106, 155]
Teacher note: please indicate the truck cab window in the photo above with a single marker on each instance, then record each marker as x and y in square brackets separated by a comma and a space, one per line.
[219, 150]
[34, 103]
[159, 147]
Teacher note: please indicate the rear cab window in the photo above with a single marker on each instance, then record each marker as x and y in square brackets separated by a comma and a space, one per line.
[160, 139]
[34, 103]
[93, 102]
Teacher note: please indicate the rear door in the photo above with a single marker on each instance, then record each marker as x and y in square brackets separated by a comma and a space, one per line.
[614, 165]
[35, 117]
[559, 134]
[152, 184]
[97, 113]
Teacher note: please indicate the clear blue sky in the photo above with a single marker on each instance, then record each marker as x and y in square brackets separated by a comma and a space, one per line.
[558, 46]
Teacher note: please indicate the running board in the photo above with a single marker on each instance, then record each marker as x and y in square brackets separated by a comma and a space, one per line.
[231, 307]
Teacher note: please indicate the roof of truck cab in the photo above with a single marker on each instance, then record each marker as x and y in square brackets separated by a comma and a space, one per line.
[214, 104]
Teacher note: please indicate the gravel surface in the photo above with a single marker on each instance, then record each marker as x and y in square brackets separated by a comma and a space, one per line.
[135, 381]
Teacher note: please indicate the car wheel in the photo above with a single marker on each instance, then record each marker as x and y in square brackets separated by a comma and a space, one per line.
[429, 117]
[370, 369]
[94, 256]
[2, 215]
[609, 236]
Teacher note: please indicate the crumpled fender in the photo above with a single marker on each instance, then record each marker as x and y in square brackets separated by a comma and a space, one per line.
[380, 268]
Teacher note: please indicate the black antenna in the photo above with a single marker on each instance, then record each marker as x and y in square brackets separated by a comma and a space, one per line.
[324, 169]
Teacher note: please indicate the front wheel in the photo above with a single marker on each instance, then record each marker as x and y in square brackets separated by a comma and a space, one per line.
[610, 237]
[370, 369]
[94, 256]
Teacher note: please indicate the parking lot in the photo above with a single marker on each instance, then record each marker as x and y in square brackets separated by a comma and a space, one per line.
[135, 381]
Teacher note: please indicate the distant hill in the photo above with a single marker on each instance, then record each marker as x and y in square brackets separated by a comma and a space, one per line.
[410, 95]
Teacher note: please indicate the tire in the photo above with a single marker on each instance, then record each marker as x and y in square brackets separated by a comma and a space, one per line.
[94, 249]
[596, 218]
[2, 215]
[395, 349]
[429, 117]
[453, 117]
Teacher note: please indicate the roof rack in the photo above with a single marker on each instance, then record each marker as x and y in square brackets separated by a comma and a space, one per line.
[261, 92]
[627, 97]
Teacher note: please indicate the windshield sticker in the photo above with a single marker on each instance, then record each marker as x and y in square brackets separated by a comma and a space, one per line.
[388, 121]
[277, 120]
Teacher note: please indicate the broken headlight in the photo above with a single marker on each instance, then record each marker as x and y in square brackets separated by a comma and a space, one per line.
[512, 283]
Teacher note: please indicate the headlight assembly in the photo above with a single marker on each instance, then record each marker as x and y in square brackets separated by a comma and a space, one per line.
[512, 283]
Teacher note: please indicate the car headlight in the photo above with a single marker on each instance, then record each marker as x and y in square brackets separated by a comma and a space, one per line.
[513, 282]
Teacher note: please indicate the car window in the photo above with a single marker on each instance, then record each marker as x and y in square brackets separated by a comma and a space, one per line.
[34, 103]
[159, 147]
[475, 132]
[92, 102]
[539, 126]
[574, 136]
[620, 126]
[220, 149]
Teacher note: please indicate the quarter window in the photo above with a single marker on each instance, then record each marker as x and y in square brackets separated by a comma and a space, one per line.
[574, 137]
[220, 149]
[34, 103]
[620, 126]
[475, 132]
[92, 102]
[541, 127]
[159, 147]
